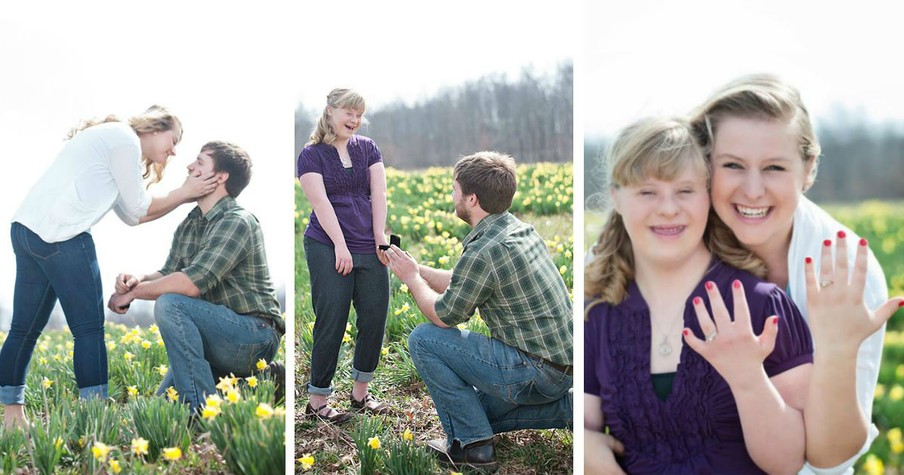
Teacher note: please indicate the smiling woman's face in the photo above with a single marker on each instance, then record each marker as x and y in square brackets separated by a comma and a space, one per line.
[758, 176]
[345, 121]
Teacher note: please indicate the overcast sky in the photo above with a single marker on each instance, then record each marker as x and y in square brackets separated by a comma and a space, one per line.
[649, 57]
[223, 82]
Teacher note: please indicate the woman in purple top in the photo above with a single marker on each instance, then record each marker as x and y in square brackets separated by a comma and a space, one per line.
[343, 177]
[731, 403]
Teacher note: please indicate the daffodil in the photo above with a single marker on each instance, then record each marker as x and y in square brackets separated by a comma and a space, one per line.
[210, 412]
[263, 411]
[145, 344]
[139, 446]
[114, 466]
[894, 440]
[214, 400]
[252, 381]
[172, 394]
[100, 450]
[307, 461]
[46, 383]
[873, 465]
[132, 390]
[407, 435]
[225, 384]
[172, 453]
[261, 364]
[162, 369]
[896, 393]
[233, 396]
[374, 443]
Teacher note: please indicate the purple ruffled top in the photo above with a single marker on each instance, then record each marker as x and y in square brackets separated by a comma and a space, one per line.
[349, 193]
[697, 429]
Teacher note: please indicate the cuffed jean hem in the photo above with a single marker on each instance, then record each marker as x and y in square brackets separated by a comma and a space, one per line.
[12, 395]
[319, 391]
[92, 392]
[361, 376]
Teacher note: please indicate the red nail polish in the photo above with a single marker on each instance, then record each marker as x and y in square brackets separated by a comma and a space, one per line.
[827, 243]
[698, 301]
[709, 286]
[901, 303]
[736, 284]
[686, 332]
[775, 321]
[808, 260]
[841, 234]
[862, 241]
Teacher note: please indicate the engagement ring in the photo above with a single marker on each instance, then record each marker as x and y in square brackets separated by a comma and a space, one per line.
[825, 283]
[712, 336]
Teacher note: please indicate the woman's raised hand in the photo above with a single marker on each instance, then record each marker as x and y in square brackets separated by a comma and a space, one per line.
[197, 184]
[838, 317]
[730, 346]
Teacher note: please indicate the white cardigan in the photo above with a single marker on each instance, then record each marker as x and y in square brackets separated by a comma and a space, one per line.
[812, 226]
[96, 170]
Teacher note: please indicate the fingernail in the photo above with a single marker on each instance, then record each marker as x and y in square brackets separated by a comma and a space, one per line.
[901, 303]
[698, 300]
[736, 284]
[709, 285]
[808, 260]
[686, 332]
[841, 234]
[862, 241]
[775, 321]
[827, 243]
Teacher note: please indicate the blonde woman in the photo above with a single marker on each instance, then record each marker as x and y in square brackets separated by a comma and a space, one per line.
[343, 177]
[664, 274]
[764, 155]
[98, 169]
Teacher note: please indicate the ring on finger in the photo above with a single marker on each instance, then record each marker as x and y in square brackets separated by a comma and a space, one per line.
[712, 336]
[825, 283]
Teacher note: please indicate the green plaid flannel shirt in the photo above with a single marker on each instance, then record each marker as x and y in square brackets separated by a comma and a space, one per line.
[222, 253]
[506, 271]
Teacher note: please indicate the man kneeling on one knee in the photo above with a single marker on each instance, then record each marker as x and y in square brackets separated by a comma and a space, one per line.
[216, 306]
[520, 377]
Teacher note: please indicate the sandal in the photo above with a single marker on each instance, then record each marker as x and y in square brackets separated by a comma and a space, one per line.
[369, 404]
[333, 416]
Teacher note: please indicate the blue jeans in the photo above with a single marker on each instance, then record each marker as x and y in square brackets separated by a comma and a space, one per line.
[332, 294]
[205, 342]
[46, 272]
[481, 386]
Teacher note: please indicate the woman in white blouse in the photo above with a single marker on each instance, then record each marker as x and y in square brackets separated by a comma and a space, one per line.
[98, 169]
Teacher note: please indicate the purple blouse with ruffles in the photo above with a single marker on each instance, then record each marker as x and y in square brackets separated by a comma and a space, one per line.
[348, 193]
[697, 429]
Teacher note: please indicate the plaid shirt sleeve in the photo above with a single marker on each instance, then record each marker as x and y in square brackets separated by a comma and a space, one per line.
[473, 281]
[226, 246]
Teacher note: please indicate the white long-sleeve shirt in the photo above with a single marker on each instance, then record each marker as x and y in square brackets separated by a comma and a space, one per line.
[97, 170]
[812, 226]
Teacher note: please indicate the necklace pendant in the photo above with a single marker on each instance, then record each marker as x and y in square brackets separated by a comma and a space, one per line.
[664, 347]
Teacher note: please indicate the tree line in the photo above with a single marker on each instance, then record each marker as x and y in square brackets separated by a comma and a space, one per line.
[859, 161]
[530, 118]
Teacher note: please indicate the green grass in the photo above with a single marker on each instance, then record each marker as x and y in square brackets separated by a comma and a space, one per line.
[65, 430]
[421, 211]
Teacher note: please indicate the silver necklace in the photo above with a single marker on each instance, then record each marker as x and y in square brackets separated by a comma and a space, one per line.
[665, 348]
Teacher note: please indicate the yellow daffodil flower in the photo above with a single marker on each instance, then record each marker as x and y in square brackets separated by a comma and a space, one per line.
[172, 453]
